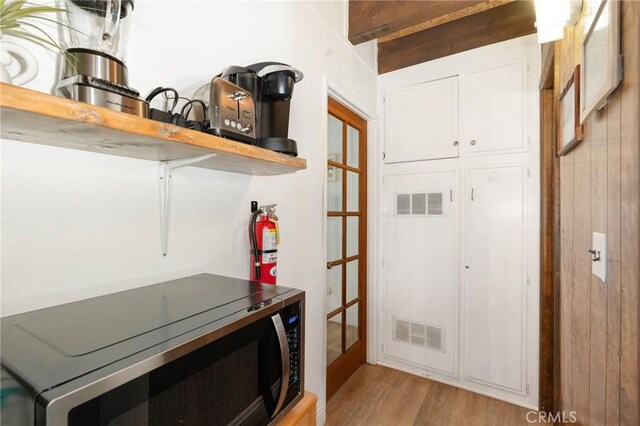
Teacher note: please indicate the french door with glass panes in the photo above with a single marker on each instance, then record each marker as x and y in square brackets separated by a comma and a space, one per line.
[346, 243]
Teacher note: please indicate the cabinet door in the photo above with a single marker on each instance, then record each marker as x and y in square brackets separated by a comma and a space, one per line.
[422, 121]
[421, 264]
[494, 294]
[496, 109]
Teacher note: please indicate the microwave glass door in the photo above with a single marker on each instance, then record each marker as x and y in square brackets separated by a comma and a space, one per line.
[233, 380]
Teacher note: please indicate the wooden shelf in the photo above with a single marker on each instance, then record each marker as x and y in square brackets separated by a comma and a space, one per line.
[29, 116]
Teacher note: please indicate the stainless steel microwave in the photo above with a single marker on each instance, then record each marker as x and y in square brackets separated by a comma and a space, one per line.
[202, 350]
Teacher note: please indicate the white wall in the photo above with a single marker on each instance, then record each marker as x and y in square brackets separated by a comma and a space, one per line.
[78, 224]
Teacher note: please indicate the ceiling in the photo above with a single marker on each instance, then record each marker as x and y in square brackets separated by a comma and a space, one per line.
[412, 32]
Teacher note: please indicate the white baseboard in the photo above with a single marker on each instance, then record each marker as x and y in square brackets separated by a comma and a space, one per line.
[321, 414]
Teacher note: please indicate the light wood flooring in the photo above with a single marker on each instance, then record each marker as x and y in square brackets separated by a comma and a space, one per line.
[377, 395]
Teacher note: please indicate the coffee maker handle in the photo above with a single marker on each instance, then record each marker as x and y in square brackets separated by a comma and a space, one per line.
[111, 25]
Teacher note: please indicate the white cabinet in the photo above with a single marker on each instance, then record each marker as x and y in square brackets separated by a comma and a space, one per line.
[470, 277]
[422, 121]
[422, 262]
[496, 110]
[494, 291]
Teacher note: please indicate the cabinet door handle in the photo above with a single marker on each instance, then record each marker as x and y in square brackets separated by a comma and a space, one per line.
[472, 195]
[456, 143]
[451, 195]
[473, 142]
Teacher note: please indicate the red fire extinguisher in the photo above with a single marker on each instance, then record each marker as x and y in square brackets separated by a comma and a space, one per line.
[264, 237]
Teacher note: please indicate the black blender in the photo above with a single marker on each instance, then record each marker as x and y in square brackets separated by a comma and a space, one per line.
[92, 67]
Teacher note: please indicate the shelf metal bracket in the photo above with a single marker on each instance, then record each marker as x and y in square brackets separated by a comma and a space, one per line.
[165, 178]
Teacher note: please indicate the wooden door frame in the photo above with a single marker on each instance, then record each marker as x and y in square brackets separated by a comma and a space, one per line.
[344, 364]
[549, 367]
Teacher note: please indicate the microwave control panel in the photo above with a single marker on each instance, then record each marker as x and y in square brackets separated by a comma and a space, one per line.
[293, 337]
[292, 327]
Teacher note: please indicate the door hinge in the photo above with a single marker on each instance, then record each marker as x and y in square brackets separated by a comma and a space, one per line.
[528, 66]
[621, 67]
[384, 155]
[383, 180]
[529, 140]
[528, 281]
[528, 172]
[527, 388]
[384, 99]
[383, 263]
[382, 347]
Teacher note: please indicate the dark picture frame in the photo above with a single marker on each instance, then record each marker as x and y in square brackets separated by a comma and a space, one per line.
[601, 60]
[570, 131]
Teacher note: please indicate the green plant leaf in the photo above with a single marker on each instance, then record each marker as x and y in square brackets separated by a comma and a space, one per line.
[11, 7]
[32, 37]
[29, 12]
[53, 21]
[52, 42]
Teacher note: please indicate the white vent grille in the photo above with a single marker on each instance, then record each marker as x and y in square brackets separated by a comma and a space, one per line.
[434, 338]
[420, 204]
[435, 203]
[418, 337]
[401, 330]
[419, 334]
[403, 204]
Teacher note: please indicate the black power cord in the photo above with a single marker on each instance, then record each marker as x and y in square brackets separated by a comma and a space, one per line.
[254, 242]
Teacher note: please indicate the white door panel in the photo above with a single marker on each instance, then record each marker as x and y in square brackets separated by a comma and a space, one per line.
[421, 265]
[496, 110]
[422, 121]
[495, 285]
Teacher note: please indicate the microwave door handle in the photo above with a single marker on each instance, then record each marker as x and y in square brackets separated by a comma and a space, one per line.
[284, 354]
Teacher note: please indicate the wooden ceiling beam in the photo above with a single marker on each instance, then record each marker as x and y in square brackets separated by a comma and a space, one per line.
[514, 19]
[371, 19]
[439, 20]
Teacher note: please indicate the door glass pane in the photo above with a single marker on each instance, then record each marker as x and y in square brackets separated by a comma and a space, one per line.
[353, 147]
[353, 182]
[353, 224]
[334, 238]
[334, 288]
[352, 280]
[334, 189]
[334, 137]
[334, 338]
[353, 331]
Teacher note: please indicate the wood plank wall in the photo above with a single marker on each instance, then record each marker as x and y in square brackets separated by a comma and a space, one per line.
[600, 192]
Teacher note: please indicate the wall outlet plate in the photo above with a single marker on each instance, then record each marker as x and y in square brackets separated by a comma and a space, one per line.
[599, 267]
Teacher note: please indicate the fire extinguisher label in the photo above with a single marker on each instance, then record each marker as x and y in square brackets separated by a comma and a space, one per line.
[272, 271]
[269, 258]
[269, 239]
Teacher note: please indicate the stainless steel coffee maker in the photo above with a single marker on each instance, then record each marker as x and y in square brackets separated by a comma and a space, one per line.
[270, 84]
[92, 68]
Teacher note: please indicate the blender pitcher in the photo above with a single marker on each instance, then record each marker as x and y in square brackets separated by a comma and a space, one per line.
[98, 25]
[92, 68]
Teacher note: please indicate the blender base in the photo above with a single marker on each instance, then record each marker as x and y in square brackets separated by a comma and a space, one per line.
[79, 91]
[99, 79]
